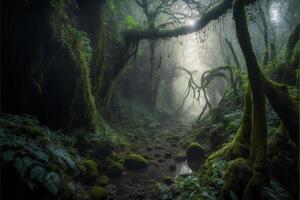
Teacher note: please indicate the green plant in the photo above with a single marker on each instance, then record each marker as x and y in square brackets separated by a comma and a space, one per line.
[203, 186]
[131, 22]
[38, 158]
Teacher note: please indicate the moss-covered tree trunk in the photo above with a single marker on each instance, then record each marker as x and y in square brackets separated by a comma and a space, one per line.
[283, 105]
[239, 146]
[129, 49]
[258, 146]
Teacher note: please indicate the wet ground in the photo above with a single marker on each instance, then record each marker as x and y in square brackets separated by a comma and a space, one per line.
[163, 145]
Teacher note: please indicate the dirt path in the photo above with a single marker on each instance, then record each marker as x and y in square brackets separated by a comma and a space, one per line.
[164, 147]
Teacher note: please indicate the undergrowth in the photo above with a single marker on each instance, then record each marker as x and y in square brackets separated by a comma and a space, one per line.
[39, 155]
[202, 186]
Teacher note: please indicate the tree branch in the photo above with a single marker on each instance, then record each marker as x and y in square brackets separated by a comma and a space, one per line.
[212, 13]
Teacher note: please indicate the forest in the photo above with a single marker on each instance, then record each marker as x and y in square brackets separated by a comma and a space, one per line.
[150, 99]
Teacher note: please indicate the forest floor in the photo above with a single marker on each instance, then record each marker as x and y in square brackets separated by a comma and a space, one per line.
[164, 146]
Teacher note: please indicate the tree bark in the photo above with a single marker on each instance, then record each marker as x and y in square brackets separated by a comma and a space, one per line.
[239, 146]
[284, 106]
[258, 145]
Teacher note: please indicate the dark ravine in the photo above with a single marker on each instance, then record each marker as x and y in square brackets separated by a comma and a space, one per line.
[149, 99]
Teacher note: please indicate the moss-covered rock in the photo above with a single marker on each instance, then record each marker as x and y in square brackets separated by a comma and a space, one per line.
[115, 170]
[195, 152]
[135, 161]
[97, 193]
[168, 155]
[168, 180]
[91, 171]
[195, 156]
[102, 181]
[180, 157]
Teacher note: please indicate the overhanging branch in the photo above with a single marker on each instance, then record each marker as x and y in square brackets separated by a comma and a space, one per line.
[212, 13]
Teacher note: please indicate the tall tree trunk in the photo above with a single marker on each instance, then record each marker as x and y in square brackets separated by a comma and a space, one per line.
[258, 146]
[233, 53]
[265, 33]
[239, 146]
[284, 106]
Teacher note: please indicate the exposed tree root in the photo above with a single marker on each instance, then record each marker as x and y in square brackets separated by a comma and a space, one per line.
[239, 147]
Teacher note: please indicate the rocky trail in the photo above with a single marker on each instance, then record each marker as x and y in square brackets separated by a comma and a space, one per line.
[163, 145]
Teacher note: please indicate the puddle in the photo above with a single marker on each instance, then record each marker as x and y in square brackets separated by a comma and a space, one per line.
[182, 168]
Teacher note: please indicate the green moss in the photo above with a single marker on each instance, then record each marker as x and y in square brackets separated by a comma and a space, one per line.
[115, 170]
[239, 146]
[111, 6]
[131, 22]
[195, 152]
[135, 161]
[78, 45]
[102, 181]
[180, 157]
[168, 180]
[236, 178]
[97, 193]
[91, 171]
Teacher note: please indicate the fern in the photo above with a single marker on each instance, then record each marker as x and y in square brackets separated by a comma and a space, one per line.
[31, 157]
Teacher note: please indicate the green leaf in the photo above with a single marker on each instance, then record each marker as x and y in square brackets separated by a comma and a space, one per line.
[270, 193]
[205, 194]
[41, 156]
[22, 164]
[4, 139]
[38, 173]
[64, 158]
[52, 182]
[8, 155]
[131, 22]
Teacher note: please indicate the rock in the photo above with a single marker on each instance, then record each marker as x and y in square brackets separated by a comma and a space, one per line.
[135, 162]
[195, 156]
[168, 180]
[154, 125]
[97, 193]
[102, 181]
[149, 148]
[196, 152]
[168, 155]
[111, 189]
[174, 145]
[91, 171]
[115, 170]
[172, 168]
[180, 158]
[156, 164]
[161, 160]
[156, 155]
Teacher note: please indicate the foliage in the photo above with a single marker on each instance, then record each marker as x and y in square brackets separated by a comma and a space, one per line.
[111, 6]
[131, 22]
[38, 154]
[203, 186]
[99, 144]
